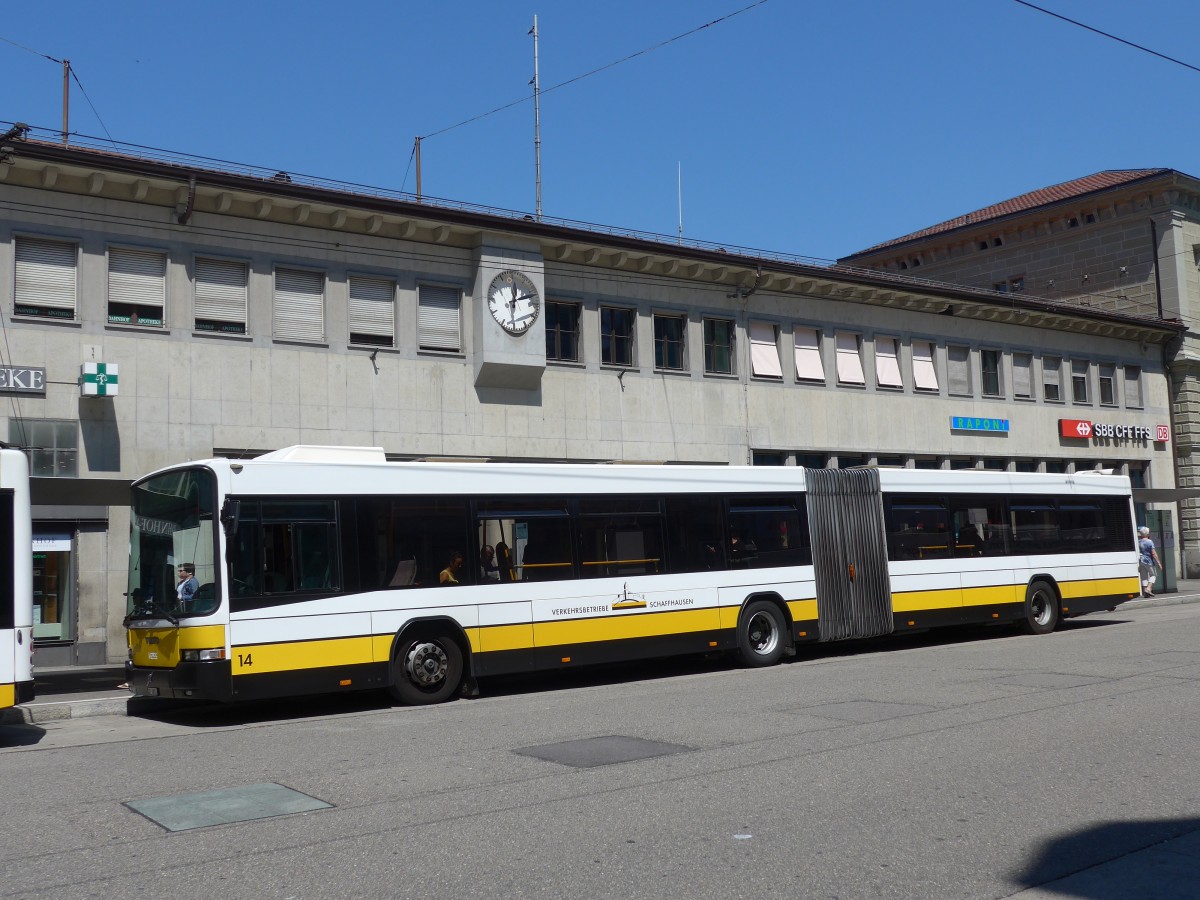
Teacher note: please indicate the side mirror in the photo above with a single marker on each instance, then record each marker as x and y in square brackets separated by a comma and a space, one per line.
[231, 512]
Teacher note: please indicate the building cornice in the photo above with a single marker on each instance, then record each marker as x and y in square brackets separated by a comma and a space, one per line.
[182, 191]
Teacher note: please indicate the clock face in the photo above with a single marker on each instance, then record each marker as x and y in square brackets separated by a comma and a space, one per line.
[513, 301]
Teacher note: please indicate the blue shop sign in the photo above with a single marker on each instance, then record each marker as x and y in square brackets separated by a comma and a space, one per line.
[974, 423]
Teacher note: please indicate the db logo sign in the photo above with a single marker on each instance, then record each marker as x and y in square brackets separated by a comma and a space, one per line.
[1162, 433]
[1075, 428]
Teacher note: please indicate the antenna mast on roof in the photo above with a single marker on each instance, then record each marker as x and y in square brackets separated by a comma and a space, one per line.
[679, 193]
[537, 121]
[66, 63]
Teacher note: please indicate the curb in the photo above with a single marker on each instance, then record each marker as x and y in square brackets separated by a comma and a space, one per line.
[50, 711]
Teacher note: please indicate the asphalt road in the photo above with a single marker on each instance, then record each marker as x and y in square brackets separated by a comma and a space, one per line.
[959, 765]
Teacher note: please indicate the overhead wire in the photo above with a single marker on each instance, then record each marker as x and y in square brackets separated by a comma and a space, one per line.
[1108, 35]
[598, 70]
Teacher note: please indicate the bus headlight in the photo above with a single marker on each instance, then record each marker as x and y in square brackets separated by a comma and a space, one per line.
[202, 655]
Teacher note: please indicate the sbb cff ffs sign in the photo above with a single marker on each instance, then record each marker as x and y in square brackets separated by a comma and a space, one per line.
[1082, 429]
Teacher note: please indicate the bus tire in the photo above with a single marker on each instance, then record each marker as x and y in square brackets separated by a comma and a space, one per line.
[428, 669]
[1041, 608]
[761, 634]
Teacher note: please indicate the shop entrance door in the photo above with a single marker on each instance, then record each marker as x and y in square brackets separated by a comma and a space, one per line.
[53, 601]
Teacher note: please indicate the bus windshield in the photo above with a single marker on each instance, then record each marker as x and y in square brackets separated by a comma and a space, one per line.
[171, 537]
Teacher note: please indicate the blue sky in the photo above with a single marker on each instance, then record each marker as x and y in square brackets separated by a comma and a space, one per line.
[809, 128]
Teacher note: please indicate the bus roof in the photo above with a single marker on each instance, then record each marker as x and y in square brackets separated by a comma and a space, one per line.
[340, 471]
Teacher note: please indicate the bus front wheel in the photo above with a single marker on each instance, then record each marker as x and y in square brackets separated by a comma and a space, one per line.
[1041, 609]
[760, 635]
[428, 669]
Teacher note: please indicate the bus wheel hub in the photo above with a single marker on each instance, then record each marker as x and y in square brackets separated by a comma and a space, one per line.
[426, 664]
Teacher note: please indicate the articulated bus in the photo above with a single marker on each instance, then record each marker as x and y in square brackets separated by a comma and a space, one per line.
[323, 569]
[16, 581]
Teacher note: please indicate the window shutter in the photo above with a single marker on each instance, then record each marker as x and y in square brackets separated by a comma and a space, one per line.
[372, 307]
[299, 305]
[924, 373]
[438, 318]
[764, 352]
[849, 362]
[221, 290]
[137, 277]
[809, 366]
[1133, 387]
[1022, 375]
[958, 371]
[45, 273]
[887, 366]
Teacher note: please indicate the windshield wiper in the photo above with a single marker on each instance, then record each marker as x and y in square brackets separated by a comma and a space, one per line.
[151, 609]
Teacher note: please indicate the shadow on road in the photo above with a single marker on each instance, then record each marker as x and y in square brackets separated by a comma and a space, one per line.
[20, 734]
[1127, 874]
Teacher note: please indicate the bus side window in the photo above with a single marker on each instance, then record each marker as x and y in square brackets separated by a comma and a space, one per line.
[695, 542]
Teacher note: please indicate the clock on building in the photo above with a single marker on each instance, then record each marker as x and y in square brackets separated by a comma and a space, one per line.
[513, 301]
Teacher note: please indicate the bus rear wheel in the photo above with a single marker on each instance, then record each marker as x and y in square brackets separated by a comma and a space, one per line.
[760, 636]
[1041, 609]
[428, 669]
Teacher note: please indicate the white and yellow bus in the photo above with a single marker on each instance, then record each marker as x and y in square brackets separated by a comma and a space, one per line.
[323, 569]
[16, 581]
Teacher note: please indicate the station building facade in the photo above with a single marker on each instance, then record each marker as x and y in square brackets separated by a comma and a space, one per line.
[158, 311]
[1124, 241]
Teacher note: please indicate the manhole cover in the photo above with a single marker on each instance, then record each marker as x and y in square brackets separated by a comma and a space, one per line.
[601, 751]
[242, 804]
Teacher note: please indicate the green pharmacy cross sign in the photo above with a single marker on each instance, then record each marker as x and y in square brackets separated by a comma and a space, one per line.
[97, 379]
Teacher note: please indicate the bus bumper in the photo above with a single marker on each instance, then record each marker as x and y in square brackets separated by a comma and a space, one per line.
[209, 680]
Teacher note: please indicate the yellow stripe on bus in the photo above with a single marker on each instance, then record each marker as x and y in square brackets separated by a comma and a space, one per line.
[8, 695]
[1100, 587]
[803, 610]
[615, 628]
[915, 601]
[256, 659]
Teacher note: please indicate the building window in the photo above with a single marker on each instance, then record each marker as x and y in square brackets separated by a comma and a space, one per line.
[1079, 381]
[811, 460]
[299, 305]
[668, 342]
[1107, 384]
[924, 372]
[989, 367]
[809, 365]
[45, 278]
[372, 311]
[767, 458]
[1022, 366]
[887, 363]
[616, 335]
[718, 346]
[562, 331]
[1052, 379]
[438, 315]
[221, 295]
[764, 350]
[849, 359]
[1133, 387]
[52, 446]
[137, 286]
[958, 369]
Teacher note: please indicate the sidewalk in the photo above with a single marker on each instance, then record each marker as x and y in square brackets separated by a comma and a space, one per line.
[74, 692]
